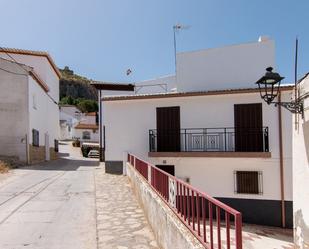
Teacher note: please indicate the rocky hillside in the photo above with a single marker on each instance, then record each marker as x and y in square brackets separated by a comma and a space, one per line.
[76, 86]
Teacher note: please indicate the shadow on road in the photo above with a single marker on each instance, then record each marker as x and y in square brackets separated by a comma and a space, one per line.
[63, 164]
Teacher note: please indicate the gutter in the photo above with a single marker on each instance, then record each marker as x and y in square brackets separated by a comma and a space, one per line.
[283, 218]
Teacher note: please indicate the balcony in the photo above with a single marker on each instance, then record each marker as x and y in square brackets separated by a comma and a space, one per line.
[210, 142]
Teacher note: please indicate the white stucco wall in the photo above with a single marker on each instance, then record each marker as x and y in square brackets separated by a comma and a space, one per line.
[67, 122]
[45, 116]
[71, 110]
[44, 113]
[236, 66]
[13, 110]
[160, 84]
[94, 135]
[168, 83]
[86, 119]
[301, 173]
[127, 124]
[64, 132]
[42, 67]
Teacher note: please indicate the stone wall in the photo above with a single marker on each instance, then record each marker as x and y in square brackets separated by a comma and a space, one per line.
[169, 231]
[53, 154]
[37, 154]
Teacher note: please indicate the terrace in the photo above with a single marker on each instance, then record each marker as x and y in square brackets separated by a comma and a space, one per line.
[227, 141]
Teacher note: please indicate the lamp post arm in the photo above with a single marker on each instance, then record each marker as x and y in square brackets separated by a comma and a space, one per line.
[294, 107]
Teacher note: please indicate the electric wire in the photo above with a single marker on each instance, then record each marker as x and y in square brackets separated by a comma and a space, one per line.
[3, 50]
[5, 70]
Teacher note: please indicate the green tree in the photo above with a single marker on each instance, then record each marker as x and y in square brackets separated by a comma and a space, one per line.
[87, 105]
[68, 100]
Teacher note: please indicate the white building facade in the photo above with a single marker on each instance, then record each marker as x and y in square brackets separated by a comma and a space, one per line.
[87, 130]
[70, 116]
[214, 131]
[207, 155]
[35, 77]
[301, 169]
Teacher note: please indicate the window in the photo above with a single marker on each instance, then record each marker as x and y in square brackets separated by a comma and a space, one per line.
[86, 135]
[34, 101]
[35, 137]
[56, 143]
[248, 182]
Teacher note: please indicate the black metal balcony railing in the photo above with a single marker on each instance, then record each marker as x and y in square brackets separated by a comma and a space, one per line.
[210, 139]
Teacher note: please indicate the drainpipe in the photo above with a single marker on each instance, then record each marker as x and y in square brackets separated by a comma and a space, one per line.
[100, 128]
[281, 163]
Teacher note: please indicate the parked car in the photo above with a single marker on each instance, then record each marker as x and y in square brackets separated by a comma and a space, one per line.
[93, 154]
[86, 147]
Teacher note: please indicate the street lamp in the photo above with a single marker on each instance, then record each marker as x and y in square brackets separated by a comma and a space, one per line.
[269, 86]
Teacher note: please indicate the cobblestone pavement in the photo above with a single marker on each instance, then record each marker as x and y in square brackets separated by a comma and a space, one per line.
[72, 204]
[255, 237]
[121, 223]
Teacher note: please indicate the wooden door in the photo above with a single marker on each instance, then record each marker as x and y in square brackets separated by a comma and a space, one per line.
[248, 127]
[168, 129]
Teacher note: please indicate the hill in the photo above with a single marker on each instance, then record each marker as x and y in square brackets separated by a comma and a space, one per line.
[76, 86]
[76, 90]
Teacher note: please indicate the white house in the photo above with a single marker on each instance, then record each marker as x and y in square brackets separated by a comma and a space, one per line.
[87, 130]
[301, 169]
[29, 110]
[70, 116]
[161, 84]
[214, 131]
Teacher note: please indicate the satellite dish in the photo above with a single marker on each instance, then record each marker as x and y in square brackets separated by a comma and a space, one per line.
[129, 71]
[179, 26]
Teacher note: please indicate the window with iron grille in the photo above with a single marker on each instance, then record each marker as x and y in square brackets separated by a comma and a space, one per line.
[248, 182]
[35, 137]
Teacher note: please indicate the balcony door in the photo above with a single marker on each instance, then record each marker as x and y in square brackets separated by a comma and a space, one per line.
[248, 127]
[168, 129]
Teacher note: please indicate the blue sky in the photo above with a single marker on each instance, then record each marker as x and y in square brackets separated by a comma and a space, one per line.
[102, 38]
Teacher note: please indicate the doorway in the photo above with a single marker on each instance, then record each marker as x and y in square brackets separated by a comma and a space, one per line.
[170, 169]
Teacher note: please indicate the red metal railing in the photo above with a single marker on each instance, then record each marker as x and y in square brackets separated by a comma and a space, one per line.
[140, 167]
[213, 223]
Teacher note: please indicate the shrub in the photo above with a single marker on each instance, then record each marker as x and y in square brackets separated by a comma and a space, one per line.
[4, 167]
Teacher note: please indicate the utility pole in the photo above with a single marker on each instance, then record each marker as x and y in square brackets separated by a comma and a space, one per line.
[295, 79]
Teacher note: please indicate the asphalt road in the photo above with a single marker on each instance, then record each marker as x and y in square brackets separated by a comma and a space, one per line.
[51, 205]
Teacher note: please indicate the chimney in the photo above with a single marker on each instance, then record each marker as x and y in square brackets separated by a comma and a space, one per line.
[263, 38]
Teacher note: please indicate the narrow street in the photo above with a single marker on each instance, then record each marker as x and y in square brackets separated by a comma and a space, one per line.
[54, 206]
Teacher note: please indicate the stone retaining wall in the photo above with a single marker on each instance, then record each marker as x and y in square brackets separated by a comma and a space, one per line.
[37, 154]
[53, 154]
[169, 231]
